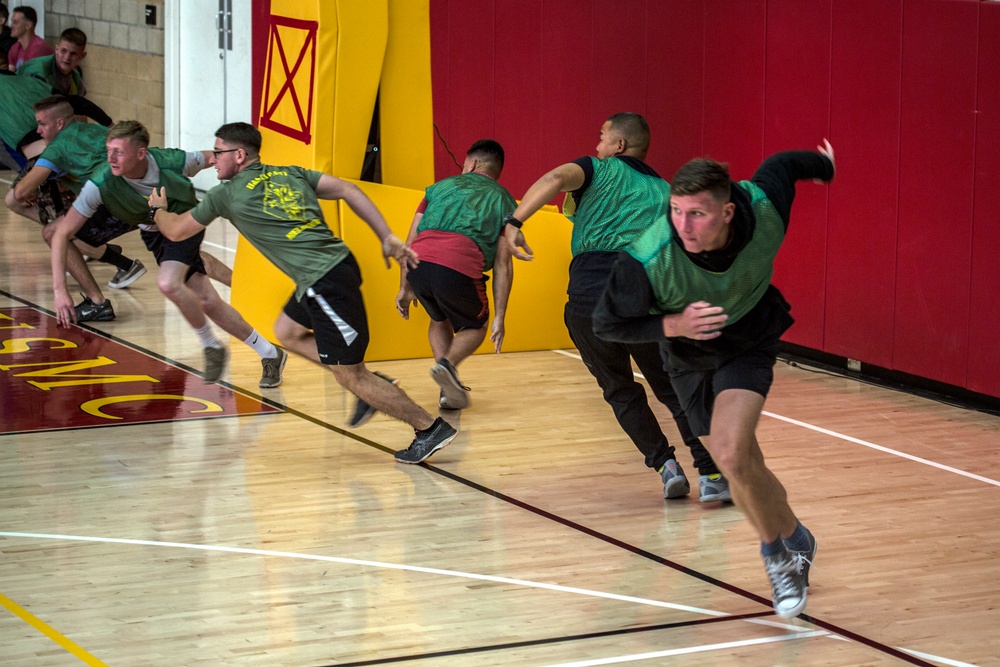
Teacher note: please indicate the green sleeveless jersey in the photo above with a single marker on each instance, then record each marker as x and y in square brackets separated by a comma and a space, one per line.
[677, 281]
[17, 95]
[618, 205]
[131, 207]
[470, 204]
[79, 150]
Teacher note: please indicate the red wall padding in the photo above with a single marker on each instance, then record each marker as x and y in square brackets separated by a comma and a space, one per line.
[892, 264]
[936, 153]
[797, 115]
[984, 319]
[864, 126]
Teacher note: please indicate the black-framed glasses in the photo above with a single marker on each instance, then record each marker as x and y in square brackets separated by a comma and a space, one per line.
[227, 150]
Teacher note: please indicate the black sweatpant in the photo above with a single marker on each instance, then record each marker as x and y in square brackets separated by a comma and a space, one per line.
[610, 365]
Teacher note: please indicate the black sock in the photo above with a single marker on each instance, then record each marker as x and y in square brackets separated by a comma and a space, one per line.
[115, 258]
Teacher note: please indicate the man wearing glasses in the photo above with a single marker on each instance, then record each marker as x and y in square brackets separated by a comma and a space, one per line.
[121, 187]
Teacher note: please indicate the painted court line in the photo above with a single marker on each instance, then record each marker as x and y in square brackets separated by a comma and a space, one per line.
[857, 441]
[691, 649]
[370, 563]
[49, 631]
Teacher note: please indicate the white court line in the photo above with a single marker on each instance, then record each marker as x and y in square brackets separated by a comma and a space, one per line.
[857, 441]
[371, 563]
[691, 649]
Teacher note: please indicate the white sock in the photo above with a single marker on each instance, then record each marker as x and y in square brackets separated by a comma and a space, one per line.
[261, 345]
[207, 337]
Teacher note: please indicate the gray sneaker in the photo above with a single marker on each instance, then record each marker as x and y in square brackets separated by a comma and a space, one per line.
[788, 584]
[714, 487]
[456, 393]
[215, 363]
[675, 484]
[125, 277]
[438, 436]
[804, 559]
[271, 375]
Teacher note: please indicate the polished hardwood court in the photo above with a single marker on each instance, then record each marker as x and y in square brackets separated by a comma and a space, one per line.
[538, 538]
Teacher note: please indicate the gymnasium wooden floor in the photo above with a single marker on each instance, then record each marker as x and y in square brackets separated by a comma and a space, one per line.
[537, 539]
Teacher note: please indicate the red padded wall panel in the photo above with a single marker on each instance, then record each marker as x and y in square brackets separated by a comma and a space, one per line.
[984, 319]
[675, 83]
[519, 86]
[567, 129]
[734, 83]
[940, 40]
[618, 58]
[861, 233]
[462, 38]
[797, 117]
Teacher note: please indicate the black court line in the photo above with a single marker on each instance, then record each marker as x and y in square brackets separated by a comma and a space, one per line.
[548, 641]
[830, 627]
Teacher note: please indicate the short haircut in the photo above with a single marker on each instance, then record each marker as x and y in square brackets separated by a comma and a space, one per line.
[633, 128]
[490, 152]
[242, 135]
[28, 13]
[701, 175]
[74, 36]
[55, 102]
[130, 130]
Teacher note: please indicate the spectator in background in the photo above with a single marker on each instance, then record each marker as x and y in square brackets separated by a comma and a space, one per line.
[29, 45]
[61, 70]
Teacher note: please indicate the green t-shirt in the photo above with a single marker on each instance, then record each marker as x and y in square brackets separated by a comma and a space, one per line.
[471, 204]
[619, 204]
[277, 211]
[17, 95]
[44, 69]
[676, 280]
[79, 150]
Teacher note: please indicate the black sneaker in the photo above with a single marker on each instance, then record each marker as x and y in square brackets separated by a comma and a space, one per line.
[362, 411]
[788, 584]
[88, 311]
[456, 393]
[438, 436]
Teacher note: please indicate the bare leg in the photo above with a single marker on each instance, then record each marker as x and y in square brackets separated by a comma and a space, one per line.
[383, 396]
[295, 337]
[455, 347]
[217, 310]
[216, 270]
[734, 447]
[77, 268]
[170, 280]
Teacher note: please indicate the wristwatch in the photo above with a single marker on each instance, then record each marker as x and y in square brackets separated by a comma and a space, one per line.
[511, 220]
[152, 214]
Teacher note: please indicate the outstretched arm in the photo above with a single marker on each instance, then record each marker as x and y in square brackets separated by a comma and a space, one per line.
[777, 175]
[564, 178]
[503, 279]
[175, 226]
[331, 187]
[27, 188]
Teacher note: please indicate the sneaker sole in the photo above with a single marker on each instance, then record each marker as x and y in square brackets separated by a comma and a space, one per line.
[676, 489]
[125, 283]
[711, 498]
[441, 445]
[456, 396]
[281, 369]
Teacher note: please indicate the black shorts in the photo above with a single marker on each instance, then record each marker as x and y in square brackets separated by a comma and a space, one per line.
[187, 252]
[334, 309]
[449, 295]
[752, 370]
[102, 227]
